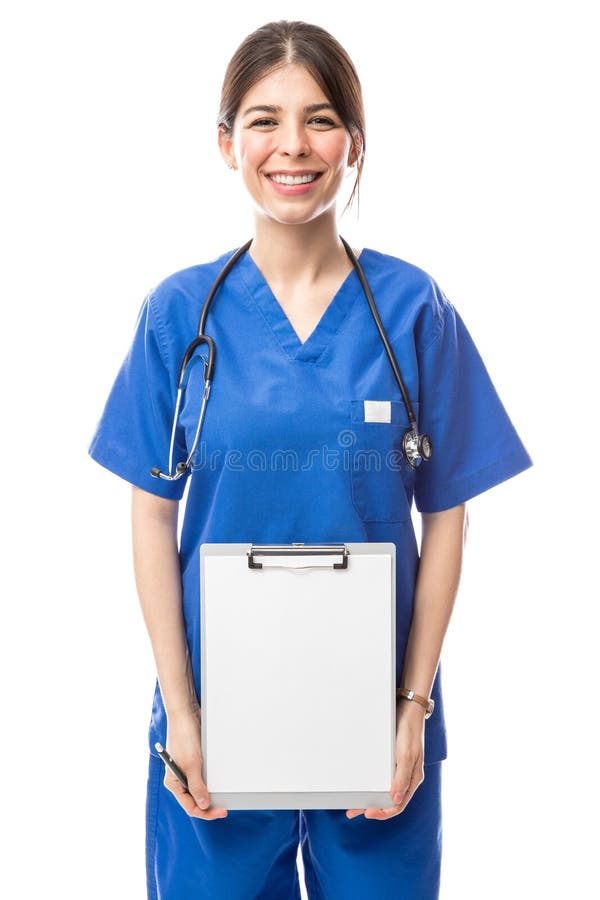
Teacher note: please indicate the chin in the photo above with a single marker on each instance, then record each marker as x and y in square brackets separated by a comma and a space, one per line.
[292, 217]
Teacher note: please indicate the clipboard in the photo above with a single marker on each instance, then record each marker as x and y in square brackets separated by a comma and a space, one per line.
[298, 674]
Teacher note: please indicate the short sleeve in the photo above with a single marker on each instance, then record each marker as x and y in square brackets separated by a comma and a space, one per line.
[475, 445]
[134, 431]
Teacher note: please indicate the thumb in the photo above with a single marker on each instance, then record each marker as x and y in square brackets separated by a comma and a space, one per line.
[400, 785]
[197, 787]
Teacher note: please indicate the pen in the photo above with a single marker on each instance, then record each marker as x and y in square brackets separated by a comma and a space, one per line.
[171, 764]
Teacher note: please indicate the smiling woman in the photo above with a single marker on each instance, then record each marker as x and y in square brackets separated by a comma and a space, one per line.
[292, 157]
[293, 160]
[312, 53]
[301, 370]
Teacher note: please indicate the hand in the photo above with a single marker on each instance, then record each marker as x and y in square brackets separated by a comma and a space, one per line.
[410, 741]
[184, 745]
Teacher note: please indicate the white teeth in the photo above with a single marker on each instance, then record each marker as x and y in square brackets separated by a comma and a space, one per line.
[292, 179]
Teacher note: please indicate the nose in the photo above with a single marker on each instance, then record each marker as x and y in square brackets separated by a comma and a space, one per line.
[294, 140]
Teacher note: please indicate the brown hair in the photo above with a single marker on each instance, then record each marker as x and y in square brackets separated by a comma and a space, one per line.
[279, 43]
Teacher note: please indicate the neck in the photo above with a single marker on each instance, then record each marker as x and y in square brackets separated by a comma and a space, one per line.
[296, 253]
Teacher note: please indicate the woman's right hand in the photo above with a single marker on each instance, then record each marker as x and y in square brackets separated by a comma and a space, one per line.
[184, 745]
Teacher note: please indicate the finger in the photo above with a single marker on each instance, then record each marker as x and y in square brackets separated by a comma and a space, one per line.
[416, 780]
[387, 813]
[373, 813]
[402, 781]
[408, 767]
[200, 797]
[197, 787]
[188, 801]
[403, 788]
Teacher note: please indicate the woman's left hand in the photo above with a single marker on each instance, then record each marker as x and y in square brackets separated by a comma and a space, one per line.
[410, 742]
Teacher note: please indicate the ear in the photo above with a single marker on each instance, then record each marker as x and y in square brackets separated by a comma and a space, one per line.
[355, 149]
[225, 140]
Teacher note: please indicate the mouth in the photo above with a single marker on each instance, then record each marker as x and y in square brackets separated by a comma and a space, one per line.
[293, 179]
[291, 185]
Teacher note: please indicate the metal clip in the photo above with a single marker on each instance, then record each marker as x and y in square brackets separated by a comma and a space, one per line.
[298, 550]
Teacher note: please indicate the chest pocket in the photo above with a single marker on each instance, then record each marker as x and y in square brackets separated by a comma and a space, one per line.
[380, 478]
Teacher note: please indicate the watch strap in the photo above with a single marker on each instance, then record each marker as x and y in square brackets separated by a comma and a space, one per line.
[426, 702]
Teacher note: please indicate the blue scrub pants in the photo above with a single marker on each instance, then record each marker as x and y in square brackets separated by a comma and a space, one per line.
[251, 854]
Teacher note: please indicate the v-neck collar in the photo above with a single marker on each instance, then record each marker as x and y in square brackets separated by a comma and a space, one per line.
[328, 325]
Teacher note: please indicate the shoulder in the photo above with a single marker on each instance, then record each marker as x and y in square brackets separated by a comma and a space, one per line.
[409, 296]
[180, 295]
[172, 307]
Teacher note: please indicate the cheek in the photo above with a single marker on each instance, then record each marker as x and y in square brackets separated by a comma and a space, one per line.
[335, 150]
[256, 151]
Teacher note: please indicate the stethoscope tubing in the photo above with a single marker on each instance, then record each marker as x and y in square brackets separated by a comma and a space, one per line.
[383, 335]
[412, 437]
[220, 277]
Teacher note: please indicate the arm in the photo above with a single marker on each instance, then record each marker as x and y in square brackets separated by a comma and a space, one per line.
[158, 581]
[443, 539]
[442, 544]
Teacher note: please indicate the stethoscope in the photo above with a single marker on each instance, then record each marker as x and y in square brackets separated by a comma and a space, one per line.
[415, 447]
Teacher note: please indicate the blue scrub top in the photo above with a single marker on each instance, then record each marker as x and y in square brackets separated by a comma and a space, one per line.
[289, 449]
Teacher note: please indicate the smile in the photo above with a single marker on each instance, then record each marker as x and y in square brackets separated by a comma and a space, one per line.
[294, 179]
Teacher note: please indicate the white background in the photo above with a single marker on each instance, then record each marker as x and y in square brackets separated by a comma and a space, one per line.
[481, 168]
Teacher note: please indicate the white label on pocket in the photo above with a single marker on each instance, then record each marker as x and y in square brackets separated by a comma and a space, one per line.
[378, 411]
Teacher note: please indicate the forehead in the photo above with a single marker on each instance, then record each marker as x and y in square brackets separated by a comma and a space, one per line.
[288, 85]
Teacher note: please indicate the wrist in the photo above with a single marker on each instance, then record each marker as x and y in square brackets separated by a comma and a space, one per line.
[411, 698]
[407, 709]
[183, 711]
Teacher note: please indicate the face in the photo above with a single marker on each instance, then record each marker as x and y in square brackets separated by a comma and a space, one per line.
[294, 132]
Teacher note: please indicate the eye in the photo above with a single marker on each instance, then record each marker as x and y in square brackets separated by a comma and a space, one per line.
[262, 122]
[322, 120]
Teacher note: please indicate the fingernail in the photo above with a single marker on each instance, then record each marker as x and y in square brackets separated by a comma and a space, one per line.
[397, 797]
[204, 803]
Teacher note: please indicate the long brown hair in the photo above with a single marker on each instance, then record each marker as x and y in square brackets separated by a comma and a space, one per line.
[279, 43]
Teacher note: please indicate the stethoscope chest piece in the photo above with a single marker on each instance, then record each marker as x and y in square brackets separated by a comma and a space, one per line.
[416, 447]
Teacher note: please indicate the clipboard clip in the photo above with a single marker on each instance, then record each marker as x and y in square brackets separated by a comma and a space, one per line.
[298, 550]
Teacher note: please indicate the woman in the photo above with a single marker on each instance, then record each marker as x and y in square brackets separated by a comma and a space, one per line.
[300, 366]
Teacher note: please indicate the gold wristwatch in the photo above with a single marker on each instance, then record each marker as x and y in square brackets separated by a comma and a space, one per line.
[426, 702]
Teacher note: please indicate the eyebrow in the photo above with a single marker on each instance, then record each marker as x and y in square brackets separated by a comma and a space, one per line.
[314, 107]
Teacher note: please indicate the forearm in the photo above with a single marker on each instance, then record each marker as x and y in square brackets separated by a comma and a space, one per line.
[158, 581]
[438, 578]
